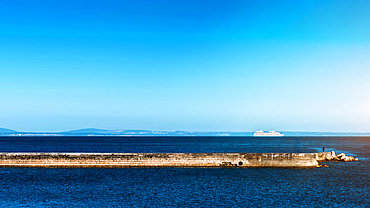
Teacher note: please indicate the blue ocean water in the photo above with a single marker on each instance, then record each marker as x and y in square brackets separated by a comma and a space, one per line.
[340, 185]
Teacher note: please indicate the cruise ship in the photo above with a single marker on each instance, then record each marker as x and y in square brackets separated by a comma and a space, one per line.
[270, 133]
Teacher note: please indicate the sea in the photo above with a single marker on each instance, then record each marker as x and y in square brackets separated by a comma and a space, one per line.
[342, 184]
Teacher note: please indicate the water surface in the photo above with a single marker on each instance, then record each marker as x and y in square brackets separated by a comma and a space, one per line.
[340, 185]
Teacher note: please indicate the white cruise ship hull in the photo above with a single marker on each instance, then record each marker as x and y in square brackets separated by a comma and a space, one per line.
[270, 135]
[267, 134]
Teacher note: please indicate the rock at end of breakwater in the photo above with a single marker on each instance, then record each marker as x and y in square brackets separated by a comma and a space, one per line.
[339, 157]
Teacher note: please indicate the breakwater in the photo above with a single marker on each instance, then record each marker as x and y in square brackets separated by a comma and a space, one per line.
[127, 160]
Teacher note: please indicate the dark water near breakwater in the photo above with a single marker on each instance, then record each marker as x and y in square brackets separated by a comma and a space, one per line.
[340, 185]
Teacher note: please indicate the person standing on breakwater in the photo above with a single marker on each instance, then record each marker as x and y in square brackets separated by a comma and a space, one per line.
[323, 148]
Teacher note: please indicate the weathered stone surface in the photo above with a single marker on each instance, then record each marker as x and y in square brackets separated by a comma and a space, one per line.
[340, 155]
[329, 157]
[122, 160]
[349, 159]
[335, 158]
[322, 156]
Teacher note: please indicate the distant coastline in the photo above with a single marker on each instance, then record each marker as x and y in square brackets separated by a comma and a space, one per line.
[103, 132]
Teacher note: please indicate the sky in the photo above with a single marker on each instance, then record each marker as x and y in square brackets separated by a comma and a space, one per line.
[185, 65]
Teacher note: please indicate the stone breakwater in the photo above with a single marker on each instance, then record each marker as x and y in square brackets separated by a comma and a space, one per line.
[127, 160]
[339, 157]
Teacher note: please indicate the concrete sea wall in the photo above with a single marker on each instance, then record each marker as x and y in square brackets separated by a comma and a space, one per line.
[321, 156]
[126, 160]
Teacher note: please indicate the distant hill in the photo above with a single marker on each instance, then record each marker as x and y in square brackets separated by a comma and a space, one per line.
[6, 131]
[93, 131]
[87, 131]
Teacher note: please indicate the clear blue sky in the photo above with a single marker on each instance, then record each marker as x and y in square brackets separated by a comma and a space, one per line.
[185, 65]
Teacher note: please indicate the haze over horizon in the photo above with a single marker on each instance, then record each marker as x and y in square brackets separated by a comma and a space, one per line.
[185, 65]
